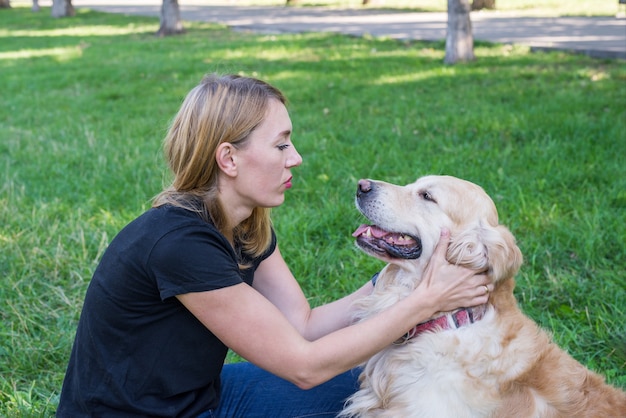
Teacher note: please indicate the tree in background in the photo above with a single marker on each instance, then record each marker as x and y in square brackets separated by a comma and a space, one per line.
[483, 4]
[171, 24]
[459, 38]
[62, 8]
[5, 4]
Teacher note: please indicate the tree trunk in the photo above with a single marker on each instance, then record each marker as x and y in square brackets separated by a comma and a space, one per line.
[5, 4]
[62, 8]
[459, 38]
[483, 4]
[171, 24]
[35, 7]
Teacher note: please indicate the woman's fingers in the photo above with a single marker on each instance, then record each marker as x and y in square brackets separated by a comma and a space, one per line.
[438, 260]
[482, 289]
[453, 286]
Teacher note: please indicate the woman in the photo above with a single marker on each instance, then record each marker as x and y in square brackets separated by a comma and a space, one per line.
[201, 272]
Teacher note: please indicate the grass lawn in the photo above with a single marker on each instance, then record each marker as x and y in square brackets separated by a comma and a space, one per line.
[85, 103]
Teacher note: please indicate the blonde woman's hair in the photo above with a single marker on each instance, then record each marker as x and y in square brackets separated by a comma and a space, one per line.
[220, 109]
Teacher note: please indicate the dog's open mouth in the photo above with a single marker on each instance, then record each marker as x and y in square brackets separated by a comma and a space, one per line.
[393, 244]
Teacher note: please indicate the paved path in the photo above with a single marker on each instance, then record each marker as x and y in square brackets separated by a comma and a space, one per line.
[602, 37]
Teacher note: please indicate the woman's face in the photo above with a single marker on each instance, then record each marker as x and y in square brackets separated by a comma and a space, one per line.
[264, 163]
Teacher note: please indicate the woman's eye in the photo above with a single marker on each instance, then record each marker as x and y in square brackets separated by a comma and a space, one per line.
[283, 147]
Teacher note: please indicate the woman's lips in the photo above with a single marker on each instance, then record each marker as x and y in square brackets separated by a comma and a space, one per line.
[288, 183]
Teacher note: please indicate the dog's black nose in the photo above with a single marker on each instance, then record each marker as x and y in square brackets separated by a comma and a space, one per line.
[365, 186]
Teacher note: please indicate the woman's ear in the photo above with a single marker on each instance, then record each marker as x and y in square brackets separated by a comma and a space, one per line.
[225, 158]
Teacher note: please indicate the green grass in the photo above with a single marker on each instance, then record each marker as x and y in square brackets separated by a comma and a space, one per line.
[86, 101]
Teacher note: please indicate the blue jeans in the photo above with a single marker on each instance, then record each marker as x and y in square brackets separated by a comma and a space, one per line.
[251, 392]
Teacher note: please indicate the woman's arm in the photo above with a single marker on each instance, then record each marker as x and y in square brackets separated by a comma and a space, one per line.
[255, 329]
[274, 280]
[251, 325]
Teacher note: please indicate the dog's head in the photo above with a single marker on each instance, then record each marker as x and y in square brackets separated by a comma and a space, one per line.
[408, 221]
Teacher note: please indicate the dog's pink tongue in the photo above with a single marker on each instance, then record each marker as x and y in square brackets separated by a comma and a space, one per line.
[375, 231]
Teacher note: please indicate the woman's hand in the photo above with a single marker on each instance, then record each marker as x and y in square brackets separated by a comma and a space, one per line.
[449, 286]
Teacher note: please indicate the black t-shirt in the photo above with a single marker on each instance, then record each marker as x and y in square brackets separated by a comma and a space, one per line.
[138, 351]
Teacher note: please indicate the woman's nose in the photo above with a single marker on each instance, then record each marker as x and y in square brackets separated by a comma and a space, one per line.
[295, 159]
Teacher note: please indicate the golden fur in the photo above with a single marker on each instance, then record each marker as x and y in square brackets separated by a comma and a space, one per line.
[501, 366]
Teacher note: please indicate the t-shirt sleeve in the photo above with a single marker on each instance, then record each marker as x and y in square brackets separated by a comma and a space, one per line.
[193, 259]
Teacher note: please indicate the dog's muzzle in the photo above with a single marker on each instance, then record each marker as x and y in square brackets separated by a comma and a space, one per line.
[377, 240]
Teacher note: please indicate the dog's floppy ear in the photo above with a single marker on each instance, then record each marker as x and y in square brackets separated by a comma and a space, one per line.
[505, 258]
[486, 248]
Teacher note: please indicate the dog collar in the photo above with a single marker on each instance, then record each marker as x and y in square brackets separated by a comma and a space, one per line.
[457, 319]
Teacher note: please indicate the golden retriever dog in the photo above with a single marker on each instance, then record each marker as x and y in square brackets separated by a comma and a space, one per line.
[486, 361]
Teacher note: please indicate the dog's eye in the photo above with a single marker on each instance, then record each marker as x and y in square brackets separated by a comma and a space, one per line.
[427, 196]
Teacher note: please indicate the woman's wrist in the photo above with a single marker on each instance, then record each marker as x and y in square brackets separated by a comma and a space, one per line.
[429, 302]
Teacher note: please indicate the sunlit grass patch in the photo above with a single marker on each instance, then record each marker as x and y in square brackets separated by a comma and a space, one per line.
[100, 30]
[57, 53]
